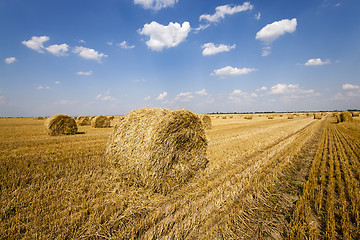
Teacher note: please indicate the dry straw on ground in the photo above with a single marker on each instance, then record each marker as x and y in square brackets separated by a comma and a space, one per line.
[111, 118]
[38, 118]
[345, 117]
[100, 122]
[83, 121]
[317, 116]
[60, 124]
[290, 116]
[206, 120]
[355, 114]
[248, 117]
[158, 149]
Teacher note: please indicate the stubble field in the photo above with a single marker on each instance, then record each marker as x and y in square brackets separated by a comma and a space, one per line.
[266, 178]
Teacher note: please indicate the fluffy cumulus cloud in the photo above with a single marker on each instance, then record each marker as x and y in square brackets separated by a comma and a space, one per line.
[293, 89]
[162, 96]
[10, 60]
[202, 92]
[155, 4]
[348, 86]
[125, 45]
[184, 97]
[36, 43]
[263, 88]
[222, 11]
[316, 62]
[272, 31]
[165, 36]
[58, 50]
[105, 96]
[212, 49]
[43, 87]
[89, 53]
[239, 96]
[85, 73]
[232, 71]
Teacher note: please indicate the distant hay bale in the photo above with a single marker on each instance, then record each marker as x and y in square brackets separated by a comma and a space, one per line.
[355, 114]
[231, 116]
[83, 121]
[280, 115]
[158, 149]
[224, 117]
[290, 116]
[317, 116]
[346, 117]
[248, 117]
[111, 118]
[100, 122]
[38, 118]
[60, 124]
[206, 120]
[270, 116]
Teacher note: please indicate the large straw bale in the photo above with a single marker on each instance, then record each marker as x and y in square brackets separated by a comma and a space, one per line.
[38, 118]
[355, 114]
[346, 117]
[158, 149]
[206, 121]
[100, 122]
[317, 116]
[248, 117]
[270, 116]
[83, 121]
[290, 116]
[224, 117]
[60, 124]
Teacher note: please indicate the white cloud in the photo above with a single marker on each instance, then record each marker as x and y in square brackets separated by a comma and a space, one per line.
[237, 92]
[258, 16]
[165, 36]
[223, 10]
[184, 97]
[85, 73]
[98, 96]
[348, 86]
[266, 51]
[56, 82]
[272, 31]
[124, 45]
[253, 95]
[43, 87]
[201, 27]
[162, 96]
[147, 98]
[155, 4]
[81, 41]
[316, 62]
[36, 43]
[110, 43]
[212, 49]
[58, 50]
[66, 102]
[89, 53]
[232, 71]
[202, 92]
[290, 89]
[263, 88]
[107, 98]
[10, 60]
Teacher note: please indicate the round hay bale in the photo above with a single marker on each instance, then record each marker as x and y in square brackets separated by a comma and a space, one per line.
[290, 116]
[248, 117]
[206, 120]
[60, 124]
[317, 116]
[111, 118]
[346, 117]
[84, 121]
[158, 149]
[38, 118]
[270, 116]
[100, 122]
[355, 114]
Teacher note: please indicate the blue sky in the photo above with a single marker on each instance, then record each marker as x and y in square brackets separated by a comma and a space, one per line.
[110, 57]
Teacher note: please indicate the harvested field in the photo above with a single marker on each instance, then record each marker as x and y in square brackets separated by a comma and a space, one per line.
[252, 187]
